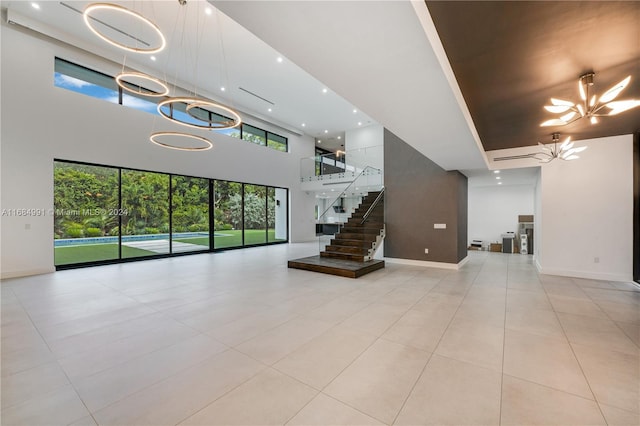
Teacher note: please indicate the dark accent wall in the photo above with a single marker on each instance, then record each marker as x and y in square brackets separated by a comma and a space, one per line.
[463, 218]
[419, 194]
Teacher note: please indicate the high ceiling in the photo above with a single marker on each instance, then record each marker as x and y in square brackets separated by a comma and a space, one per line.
[453, 79]
[510, 58]
[206, 50]
[380, 56]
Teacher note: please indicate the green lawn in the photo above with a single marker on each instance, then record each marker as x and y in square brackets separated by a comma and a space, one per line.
[233, 238]
[94, 252]
[251, 236]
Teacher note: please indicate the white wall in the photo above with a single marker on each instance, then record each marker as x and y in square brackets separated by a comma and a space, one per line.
[365, 146]
[41, 122]
[587, 212]
[494, 210]
[281, 213]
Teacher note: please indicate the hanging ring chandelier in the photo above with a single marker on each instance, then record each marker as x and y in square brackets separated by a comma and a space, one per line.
[130, 87]
[119, 9]
[194, 103]
[155, 138]
[591, 106]
[215, 124]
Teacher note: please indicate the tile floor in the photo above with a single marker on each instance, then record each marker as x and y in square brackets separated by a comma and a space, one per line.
[237, 338]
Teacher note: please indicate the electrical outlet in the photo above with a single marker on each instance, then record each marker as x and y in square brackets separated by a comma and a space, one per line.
[596, 260]
[426, 251]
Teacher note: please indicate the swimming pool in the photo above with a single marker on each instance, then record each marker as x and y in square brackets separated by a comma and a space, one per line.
[127, 238]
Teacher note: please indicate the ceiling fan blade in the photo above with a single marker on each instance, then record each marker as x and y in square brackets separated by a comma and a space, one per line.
[571, 157]
[612, 93]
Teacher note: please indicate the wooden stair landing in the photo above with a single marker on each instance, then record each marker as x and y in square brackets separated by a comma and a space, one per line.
[340, 267]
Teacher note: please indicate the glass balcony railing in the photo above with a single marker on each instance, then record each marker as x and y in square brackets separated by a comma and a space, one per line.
[340, 164]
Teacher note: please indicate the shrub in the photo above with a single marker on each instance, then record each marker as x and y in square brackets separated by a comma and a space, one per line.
[114, 231]
[74, 232]
[150, 230]
[92, 232]
[226, 227]
[198, 227]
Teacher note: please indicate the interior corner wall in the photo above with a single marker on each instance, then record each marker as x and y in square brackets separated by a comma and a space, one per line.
[41, 122]
[537, 222]
[463, 215]
[587, 212]
[636, 206]
[494, 210]
[419, 194]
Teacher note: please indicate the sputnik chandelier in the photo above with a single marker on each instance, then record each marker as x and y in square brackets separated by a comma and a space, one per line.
[199, 110]
[548, 153]
[590, 106]
[565, 151]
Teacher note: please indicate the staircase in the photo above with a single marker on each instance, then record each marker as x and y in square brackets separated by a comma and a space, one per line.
[359, 237]
[350, 252]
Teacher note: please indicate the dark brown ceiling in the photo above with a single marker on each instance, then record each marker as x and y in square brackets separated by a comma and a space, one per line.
[510, 57]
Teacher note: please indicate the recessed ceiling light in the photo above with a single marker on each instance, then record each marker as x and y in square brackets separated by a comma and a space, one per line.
[269, 110]
[332, 190]
[304, 125]
[326, 131]
[498, 177]
[324, 90]
[153, 58]
[35, 6]
[355, 110]
[208, 11]
[279, 59]
[499, 183]
[359, 123]
[339, 137]
[223, 88]
[496, 171]
[319, 141]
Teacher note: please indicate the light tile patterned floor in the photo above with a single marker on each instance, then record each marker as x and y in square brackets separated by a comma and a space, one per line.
[237, 338]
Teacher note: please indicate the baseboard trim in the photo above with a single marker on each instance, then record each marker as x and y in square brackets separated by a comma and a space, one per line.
[5, 275]
[427, 264]
[603, 276]
[536, 263]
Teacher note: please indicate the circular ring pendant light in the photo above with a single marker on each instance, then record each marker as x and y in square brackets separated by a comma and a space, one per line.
[121, 80]
[155, 138]
[119, 9]
[197, 102]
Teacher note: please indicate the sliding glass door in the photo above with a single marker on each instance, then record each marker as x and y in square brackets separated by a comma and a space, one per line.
[105, 214]
[145, 228]
[189, 214]
[255, 215]
[86, 219]
[227, 202]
